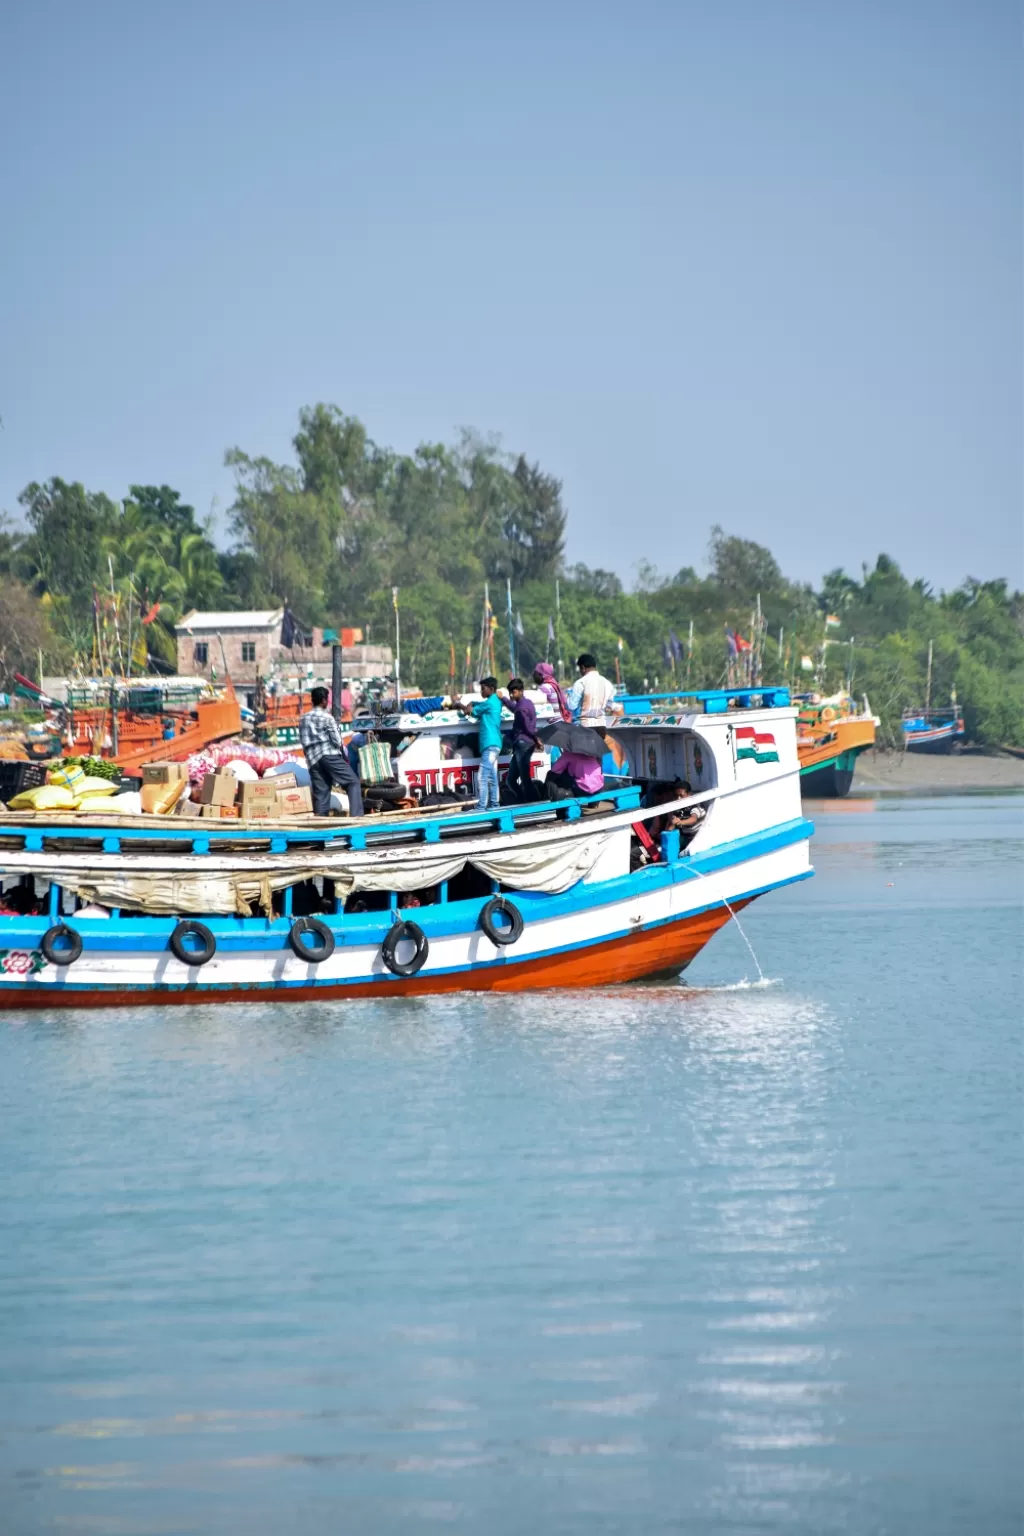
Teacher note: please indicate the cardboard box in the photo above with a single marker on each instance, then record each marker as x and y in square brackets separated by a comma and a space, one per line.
[219, 789]
[283, 781]
[259, 791]
[187, 807]
[219, 812]
[259, 810]
[163, 773]
[295, 802]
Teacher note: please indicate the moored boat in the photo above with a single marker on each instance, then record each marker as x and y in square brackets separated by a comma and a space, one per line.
[136, 721]
[831, 735]
[933, 730]
[583, 892]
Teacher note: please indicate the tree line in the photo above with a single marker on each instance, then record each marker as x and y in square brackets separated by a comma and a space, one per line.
[335, 531]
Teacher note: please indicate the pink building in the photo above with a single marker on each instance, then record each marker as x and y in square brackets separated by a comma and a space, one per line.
[248, 643]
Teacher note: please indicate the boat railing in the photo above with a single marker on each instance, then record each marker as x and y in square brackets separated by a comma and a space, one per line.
[711, 701]
[367, 833]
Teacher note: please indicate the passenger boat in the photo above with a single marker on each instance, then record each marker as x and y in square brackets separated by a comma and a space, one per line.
[517, 898]
[831, 735]
[435, 752]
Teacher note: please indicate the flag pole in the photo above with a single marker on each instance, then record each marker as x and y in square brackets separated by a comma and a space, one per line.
[689, 654]
[398, 653]
[558, 627]
[511, 630]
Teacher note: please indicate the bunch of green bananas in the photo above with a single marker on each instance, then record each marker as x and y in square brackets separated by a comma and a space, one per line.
[98, 767]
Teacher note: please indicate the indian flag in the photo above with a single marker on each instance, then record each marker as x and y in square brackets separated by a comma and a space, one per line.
[758, 745]
[832, 621]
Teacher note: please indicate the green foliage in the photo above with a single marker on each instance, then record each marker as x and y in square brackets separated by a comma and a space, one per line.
[25, 630]
[334, 531]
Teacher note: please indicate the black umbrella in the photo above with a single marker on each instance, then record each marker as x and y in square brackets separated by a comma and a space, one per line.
[568, 737]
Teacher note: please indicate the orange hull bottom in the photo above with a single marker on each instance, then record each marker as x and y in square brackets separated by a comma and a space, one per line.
[660, 951]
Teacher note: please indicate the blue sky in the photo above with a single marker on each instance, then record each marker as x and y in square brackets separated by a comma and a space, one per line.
[751, 264]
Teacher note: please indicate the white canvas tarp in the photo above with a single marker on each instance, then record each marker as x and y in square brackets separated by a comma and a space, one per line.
[177, 884]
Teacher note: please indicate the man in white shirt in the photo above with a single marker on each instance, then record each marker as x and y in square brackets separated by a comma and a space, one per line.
[591, 697]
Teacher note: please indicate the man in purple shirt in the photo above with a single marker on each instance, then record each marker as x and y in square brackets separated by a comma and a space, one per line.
[524, 740]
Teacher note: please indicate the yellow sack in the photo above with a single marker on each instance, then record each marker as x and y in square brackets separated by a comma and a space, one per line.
[71, 776]
[91, 784]
[45, 797]
[111, 805]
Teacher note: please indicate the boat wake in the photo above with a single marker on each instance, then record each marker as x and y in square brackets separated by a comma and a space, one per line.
[760, 985]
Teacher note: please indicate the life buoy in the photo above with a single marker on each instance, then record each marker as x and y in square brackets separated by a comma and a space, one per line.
[70, 947]
[188, 956]
[500, 936]
[828, 713]
[321, 949]
[399, 933]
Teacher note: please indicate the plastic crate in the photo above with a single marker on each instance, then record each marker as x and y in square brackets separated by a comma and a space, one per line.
[16, 775]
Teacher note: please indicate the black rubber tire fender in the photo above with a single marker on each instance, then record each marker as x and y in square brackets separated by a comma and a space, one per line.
[402, 932]
[322, 950]
[502, 936]
[68, 953]
[188, 928]
[384, 792]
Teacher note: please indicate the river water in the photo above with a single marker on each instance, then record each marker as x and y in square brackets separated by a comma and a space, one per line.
[719, 1258]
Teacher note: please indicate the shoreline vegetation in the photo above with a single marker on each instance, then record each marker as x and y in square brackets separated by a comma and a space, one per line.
[332, 533]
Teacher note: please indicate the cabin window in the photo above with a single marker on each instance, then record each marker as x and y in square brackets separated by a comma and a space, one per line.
[200, 653]
[248, 650]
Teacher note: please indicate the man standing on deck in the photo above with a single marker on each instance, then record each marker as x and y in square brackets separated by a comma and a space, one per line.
[590, 697]
[325, 755]
[487, 713]
[524, 740]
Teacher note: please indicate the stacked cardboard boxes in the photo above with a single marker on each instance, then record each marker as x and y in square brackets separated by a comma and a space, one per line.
[219, 789]
[257, 800]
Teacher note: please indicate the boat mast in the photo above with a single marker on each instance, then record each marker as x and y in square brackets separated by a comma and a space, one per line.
[558, 627]
[928, 682]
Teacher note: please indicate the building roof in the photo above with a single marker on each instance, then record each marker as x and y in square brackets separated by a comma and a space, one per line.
[244, 618]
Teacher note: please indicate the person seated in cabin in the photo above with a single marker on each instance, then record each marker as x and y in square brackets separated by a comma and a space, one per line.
[21, 900]
[685, 821]
[321, 742]
[574, 775]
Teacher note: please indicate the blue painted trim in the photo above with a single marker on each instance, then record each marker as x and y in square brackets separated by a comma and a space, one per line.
[625, 797]
[715, 701]
[210, 989]
[240, 934]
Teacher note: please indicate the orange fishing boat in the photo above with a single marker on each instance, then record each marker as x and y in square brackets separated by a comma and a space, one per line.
[831, 735]
[132, 736]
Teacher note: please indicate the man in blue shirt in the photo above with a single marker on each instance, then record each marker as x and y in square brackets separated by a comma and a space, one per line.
[487, 713]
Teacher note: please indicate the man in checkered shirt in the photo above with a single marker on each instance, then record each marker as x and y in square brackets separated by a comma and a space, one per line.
[325, 756]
